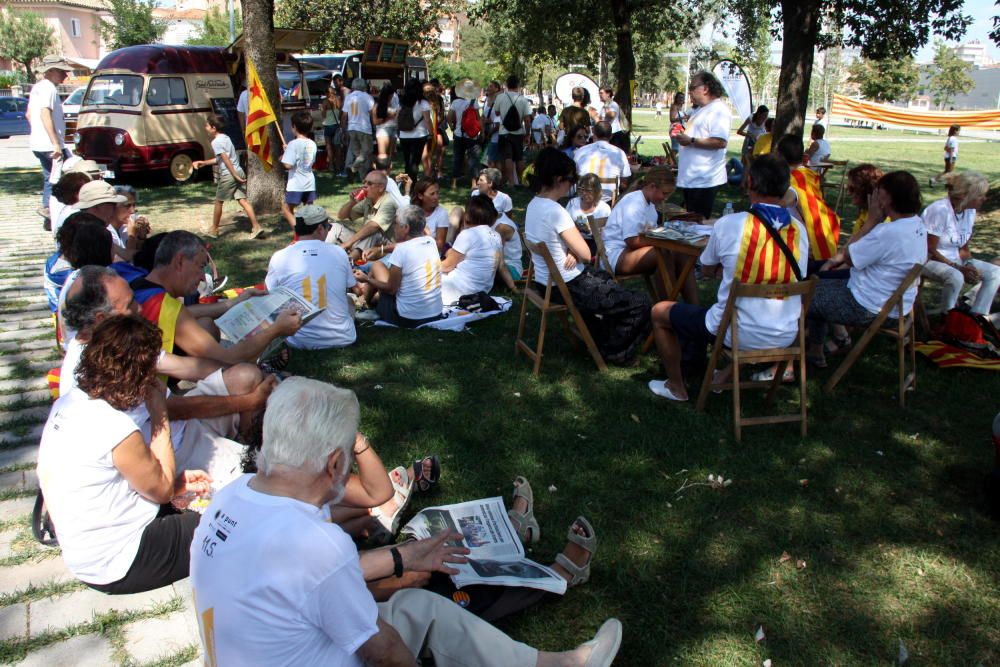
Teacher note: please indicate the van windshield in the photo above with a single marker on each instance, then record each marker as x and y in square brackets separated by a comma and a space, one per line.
[117, 89]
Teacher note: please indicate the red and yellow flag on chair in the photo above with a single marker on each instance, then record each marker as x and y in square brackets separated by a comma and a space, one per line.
[259, 116]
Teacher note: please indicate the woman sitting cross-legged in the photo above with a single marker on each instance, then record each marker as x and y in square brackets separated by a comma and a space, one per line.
[617, 318]
[108, 482]
[879, 257]
[473, 262]
[949, 228]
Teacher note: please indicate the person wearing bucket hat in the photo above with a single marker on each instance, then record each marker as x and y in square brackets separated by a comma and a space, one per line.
[100, 199]
[461, 120]
[48, 129]
[320, 273]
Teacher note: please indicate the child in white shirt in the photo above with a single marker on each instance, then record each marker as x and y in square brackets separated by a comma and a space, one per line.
[298, 159]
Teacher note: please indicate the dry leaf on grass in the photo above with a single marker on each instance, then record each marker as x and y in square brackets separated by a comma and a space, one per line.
[800, 564]
[803, 482]
[759, 636]
[635, 418]
[785, 557]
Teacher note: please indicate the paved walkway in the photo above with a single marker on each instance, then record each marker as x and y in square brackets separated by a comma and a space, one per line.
[46, 617]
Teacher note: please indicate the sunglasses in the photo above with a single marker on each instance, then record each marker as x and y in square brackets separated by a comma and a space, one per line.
[371, 183]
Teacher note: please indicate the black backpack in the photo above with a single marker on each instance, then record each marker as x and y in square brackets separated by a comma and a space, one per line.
[404, 119]
[512, 119]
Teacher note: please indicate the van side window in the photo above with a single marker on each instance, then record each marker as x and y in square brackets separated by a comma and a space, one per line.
[164, 91]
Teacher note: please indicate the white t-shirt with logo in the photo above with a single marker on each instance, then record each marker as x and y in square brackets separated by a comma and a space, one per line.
[602, 210]
[419, 295]
[483, 249]
[437, 220]
[223, 145]
[45, 95]
[300, 153]
[358, 106]
[501, 200]
[606, 161]
[631, 216]
[505, 101]
[616, 124]
[511, 249]
[321, 273]
[881, 259]
[705, 167]
[952, 230]
[101, 518]
[763, 323]
[544, 221]
[315, 609]
[420, 128]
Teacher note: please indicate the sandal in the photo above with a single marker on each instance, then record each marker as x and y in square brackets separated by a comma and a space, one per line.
[387, 525]
[256, 233]
[579, 574]
[428, 483]
[816, 362]
[525, 523]
[836, 346]
[276, 361]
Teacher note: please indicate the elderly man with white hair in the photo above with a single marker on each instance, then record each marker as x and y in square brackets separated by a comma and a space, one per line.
[275, 583]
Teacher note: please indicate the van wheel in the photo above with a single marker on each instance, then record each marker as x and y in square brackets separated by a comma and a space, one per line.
[181, 168]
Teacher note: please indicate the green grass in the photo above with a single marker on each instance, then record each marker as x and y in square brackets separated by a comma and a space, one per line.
[889, 523]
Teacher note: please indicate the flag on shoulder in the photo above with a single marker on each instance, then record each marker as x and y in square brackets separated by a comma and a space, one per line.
[259, 116]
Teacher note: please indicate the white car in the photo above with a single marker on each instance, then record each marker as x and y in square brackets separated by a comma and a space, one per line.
[71, 109]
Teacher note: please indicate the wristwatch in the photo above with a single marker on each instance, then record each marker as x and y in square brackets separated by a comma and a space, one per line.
[397, 563]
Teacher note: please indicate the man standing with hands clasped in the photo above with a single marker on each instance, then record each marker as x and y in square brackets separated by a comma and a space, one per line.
[48, 129]
[701, 165]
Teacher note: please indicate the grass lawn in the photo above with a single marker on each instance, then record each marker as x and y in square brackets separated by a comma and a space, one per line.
[865, 534]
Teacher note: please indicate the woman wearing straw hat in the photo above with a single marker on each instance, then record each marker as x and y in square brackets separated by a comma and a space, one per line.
[466, 92]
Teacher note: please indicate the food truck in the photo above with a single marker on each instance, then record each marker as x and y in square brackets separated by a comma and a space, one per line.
[145, 106]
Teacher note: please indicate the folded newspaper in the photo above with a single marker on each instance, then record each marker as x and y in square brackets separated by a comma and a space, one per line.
[692, 234]
[259, 312]
[497, 556]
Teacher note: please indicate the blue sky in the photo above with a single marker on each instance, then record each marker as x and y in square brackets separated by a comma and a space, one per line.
[982, 11]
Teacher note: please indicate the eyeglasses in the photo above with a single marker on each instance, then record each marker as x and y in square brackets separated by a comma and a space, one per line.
[693, 86]
[371, 183]
[327, 225]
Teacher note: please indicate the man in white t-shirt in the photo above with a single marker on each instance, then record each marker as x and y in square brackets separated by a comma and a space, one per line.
[821, 117]
[743, 248]
[321, 273]
[276, 583]
[611, 113]
[701, 166]
[357, 118]
[512, 140]
[407, 283]
[206, 420]
[45, 116]
[603, 159]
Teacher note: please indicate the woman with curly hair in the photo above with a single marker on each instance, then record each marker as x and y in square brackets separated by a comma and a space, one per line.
[861, 182]
[109, 486]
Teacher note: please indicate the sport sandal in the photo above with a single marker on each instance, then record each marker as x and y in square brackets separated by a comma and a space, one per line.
[524, 522]
[579, 574]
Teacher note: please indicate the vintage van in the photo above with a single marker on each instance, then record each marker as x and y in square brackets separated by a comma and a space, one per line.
[145, 107]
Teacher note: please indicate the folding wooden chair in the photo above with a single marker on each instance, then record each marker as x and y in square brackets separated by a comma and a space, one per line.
[527, 273]
[545, 305]
[902, 332]
[782, 356]
[597, 229]
[614, 181]
[668, 150]
[841, 166]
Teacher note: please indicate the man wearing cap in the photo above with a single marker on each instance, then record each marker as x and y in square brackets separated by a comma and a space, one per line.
[45, 115]
[357, 118]
[375, 214]
[466, 93]
[321, 274]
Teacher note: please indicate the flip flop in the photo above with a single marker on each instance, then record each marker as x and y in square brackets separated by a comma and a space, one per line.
[605, 644]
[579, 574]
[429, 483]
[524, 522]
[256, 233]
[660, 388]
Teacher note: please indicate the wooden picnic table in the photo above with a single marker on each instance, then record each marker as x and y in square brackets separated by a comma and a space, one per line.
[689, 251]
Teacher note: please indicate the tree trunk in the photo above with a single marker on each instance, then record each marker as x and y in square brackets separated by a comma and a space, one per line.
[621, 12]
[541, 97]
[602, 65]
[265, 189]
[801, 22]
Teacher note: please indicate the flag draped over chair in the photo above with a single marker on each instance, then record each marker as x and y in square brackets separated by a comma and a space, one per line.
[259, 116]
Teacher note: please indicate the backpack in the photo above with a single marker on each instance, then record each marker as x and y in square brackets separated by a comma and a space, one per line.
[512, 119]
[969, 331]
[471, 127]
[404, 119]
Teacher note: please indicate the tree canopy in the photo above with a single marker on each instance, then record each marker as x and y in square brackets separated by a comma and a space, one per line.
[886, 80]
[132, 23]
[24, 38]
[215, 30]
[950, 77]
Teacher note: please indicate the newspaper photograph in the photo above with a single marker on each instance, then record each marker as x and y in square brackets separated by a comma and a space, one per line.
[258, 313]
[497, 555]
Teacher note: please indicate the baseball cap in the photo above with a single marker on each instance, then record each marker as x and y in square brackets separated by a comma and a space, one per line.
[53, 62]
[98, 192]
[308, 217]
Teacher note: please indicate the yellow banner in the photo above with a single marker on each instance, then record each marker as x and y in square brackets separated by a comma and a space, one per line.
[890, 115]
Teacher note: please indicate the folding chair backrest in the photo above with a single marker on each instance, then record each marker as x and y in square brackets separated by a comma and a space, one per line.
[597, 229]
[668, 150]
[897, 297]
[555, 278]
[740, 290]
[614, 181]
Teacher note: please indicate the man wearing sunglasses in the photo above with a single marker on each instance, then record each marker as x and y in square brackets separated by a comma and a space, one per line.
[320, 273]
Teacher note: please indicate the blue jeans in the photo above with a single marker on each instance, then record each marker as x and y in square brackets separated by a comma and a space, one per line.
[45, 159]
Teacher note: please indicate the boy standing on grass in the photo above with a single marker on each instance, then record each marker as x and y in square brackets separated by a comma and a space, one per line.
[298, 159]
[232, 181]
[950, 153]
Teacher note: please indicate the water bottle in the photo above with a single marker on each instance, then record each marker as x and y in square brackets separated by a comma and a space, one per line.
[728, 210]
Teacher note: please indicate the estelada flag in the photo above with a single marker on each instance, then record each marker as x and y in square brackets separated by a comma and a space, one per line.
[259, 116]
[760, 260]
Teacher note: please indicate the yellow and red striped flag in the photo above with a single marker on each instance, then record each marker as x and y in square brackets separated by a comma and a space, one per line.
[259, 116]
[820, 220]
[760, 260]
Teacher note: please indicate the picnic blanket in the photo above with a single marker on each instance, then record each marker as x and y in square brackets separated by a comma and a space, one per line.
[455, 318]
[949, 356]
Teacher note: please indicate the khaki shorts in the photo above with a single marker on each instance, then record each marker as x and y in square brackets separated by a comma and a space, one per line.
[208, 443]
[229, 188]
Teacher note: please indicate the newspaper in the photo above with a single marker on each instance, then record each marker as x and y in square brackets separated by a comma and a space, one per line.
[259, 312]
[497, 556]
[676, 231]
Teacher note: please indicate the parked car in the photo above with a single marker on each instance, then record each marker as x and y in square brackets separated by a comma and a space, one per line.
[71, 109]
[13, 116]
